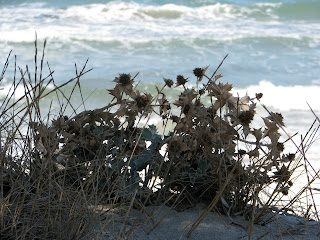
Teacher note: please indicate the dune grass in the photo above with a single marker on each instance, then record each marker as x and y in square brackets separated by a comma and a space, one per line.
[61, 174]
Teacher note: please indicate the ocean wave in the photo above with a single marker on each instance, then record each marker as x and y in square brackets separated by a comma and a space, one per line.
[280, 98]
[161, 38]
[130, 21]
[285, 98]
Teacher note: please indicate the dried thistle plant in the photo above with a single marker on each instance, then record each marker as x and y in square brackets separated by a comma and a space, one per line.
[213, 154]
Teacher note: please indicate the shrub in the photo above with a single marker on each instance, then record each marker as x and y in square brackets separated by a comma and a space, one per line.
[53, 171]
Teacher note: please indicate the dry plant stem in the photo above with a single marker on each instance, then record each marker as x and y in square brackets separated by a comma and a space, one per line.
[61, 111]
[42, 58]
[5, 66]
[298, 195]
[292, 201]
[41, 97]
[7, 99]
[75, 85]
[123, 229]
[295, 143]
[309, 183]
[275, 192]
[219, 66]
[252, 217]
[79, 86]
[211, 78]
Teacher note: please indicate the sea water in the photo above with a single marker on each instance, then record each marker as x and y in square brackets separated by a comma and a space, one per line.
[273, 47]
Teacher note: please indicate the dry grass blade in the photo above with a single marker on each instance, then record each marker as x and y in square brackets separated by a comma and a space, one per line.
[5, 66]
[34, 203]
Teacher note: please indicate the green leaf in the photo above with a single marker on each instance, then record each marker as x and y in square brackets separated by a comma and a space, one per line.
[149, 132]
[141, 161]
[117, 164]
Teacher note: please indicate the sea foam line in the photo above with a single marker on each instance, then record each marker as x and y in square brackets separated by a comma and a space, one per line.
[107, 22]
[285, 98]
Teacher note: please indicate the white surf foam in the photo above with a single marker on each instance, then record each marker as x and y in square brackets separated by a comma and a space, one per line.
[285, 98]
[129, 21]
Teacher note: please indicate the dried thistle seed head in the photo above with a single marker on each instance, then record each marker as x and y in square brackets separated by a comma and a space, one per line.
[259, 95]
[181, 80]
[143, 101]
[282, 174]
[175, 146]
[280, 146]
[168, 82]
[291, 156]
[285, 190]
[198, 72]
[201, 91]
[123, 79]
[164, 105]
[175, 118]
[186, 108]
[246, 117]
[241, 152]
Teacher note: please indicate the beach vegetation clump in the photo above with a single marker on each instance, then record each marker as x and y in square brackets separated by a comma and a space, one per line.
[56, 170]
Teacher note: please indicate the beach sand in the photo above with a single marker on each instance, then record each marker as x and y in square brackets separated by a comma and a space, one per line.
[171, 224]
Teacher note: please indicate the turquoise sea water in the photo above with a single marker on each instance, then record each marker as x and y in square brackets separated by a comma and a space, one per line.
[275, 41]
[273, 46]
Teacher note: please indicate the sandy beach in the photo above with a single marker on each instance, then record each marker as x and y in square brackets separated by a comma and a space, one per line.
[171, 224]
